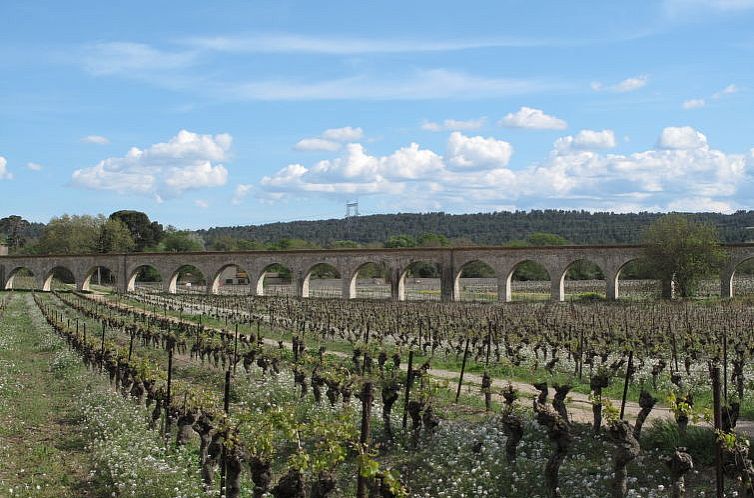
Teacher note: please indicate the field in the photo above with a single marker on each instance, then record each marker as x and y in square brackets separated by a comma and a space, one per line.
[151, 394]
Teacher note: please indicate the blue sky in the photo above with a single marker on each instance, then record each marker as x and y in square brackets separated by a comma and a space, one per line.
[229, 113]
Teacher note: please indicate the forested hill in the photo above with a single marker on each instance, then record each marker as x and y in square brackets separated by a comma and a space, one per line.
[578, 227]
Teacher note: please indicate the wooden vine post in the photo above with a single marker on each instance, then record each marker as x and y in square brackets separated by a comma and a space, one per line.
[366, 414]
[409, 381]
[235, 351]
[629, 373]
[168, 421]
[463, 369]
[720, 487]
[102, 347]
[224, 452]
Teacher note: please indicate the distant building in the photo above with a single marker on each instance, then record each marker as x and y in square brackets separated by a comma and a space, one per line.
[3, 250]
[234, 276]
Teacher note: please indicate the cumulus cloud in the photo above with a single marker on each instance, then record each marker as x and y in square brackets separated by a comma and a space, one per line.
[454, 125]
[694, 103]
[475, 173]
[95, 139]
[187, 161]
[33, 166]
[477, 152]
[4, 173]
[316, 144]
[626, 85]
[683, 137]
[533, 119]
[330, 140]
[587, 139]
[240, 193]
[345, 134]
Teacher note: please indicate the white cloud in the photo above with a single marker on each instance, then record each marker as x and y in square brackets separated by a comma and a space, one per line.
[187, 161]
[330, 139]
[533, 119]
[242, 190]
[627, 85]
[345, 134]
[682, 171]
[477, 152]
[33, 166]
[454, 124]
[631, 84]
[728, 90]
[316, 144]
[201, 203]
[95, 139]
[130, 59]
[4, 173]
[293, 43]
[418, 85]
[680, 8]
[683, 137]
[694, 103]
[587, 139]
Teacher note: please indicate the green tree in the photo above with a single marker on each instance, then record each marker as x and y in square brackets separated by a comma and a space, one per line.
[181, 241]
[14, 228]
[681, 251]
[400, 241]
[114, 236]
[223, 243]
[428, 239]
[546, 239]
[84, 234]
[70, 235]
[145, 233]
[344, 244]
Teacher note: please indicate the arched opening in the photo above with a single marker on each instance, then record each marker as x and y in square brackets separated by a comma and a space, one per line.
[145, 278]
[584, 280]
[528, 281]
[275, 280]
[322, 280]
[635, 281]
[187, 279]
[420, 281]
[21, 278]
[99, 279]
[371, 281]
[476, 281]
[742, 280]
[59, 278]
[231, 279]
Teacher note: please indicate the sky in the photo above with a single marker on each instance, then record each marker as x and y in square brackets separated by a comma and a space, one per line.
[232, 113]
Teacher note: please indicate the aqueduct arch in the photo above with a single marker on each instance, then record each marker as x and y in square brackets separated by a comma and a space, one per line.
[449, 261]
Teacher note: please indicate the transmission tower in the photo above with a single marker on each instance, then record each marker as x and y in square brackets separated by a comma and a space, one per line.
[352, 208]
[352, 211]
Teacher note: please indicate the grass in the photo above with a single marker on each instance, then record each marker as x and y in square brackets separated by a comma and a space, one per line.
[41, 444]
[665, 436]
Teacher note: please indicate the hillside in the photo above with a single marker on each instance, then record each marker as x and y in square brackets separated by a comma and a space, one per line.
[579, 227]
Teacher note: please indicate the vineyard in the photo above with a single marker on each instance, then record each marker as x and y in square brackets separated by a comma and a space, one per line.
[197, 395]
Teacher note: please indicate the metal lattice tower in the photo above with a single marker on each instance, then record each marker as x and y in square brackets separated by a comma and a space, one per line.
[352, 208]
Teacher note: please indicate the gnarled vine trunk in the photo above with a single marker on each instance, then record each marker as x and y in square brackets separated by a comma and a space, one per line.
[628, 449]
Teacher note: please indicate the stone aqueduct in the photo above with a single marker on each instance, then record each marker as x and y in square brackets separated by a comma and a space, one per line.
[348, 262]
